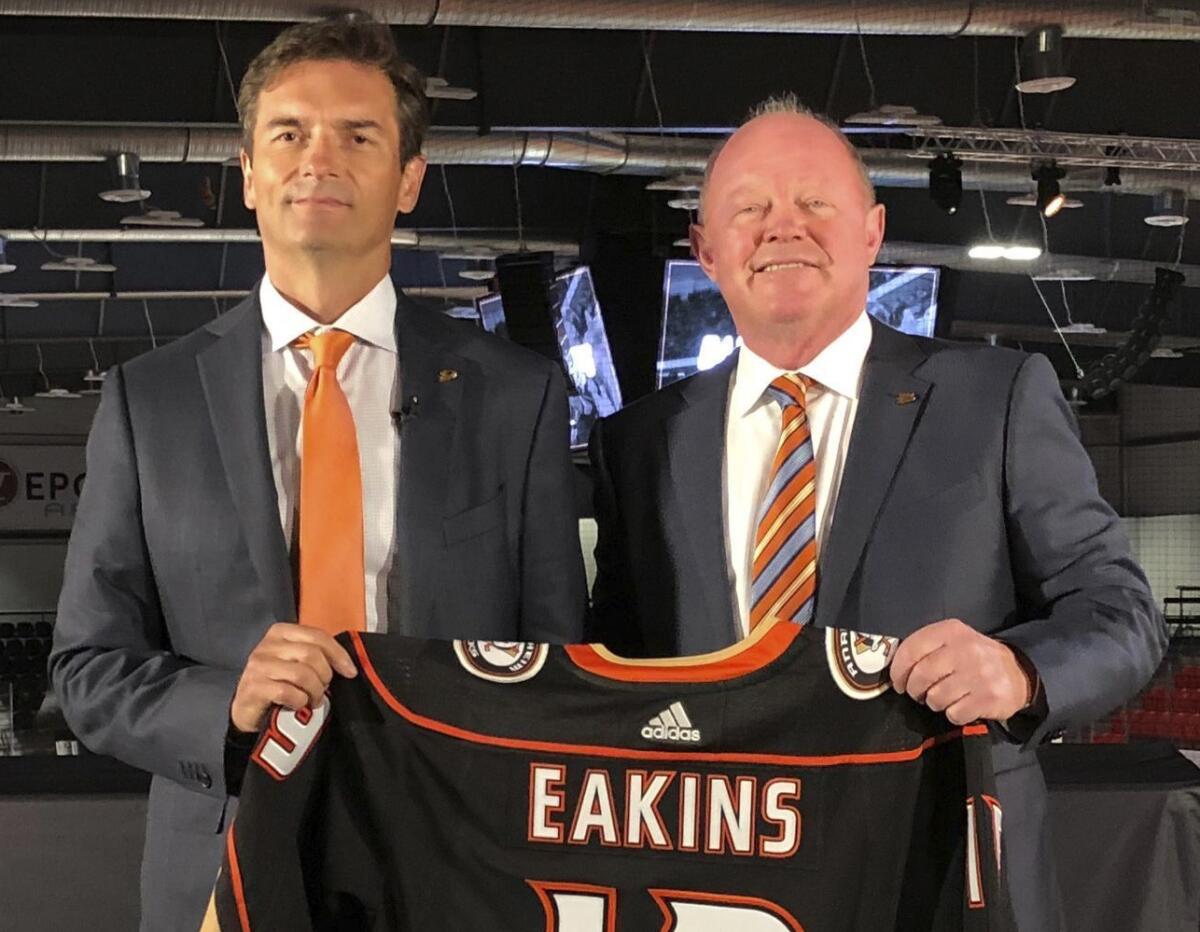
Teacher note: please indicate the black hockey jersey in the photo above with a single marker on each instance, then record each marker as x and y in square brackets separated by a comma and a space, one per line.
[776, 786]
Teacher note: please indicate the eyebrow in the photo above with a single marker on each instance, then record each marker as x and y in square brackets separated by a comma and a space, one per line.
[291, 121]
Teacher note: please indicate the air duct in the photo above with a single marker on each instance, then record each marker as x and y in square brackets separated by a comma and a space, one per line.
[1087, 19]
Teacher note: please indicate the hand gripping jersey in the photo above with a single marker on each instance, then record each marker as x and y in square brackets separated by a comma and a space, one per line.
[481, 786]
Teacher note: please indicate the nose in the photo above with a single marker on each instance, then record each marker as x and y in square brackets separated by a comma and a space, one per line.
[321, 156]
[785, 221]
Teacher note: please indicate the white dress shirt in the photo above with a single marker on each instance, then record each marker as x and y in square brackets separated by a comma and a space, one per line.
[367, 375]
[752, 426]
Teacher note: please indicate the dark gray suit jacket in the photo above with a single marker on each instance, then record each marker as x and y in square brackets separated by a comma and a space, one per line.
[974, 501]
[177, 564]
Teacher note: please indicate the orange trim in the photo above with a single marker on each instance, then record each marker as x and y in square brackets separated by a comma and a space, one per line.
[748, 655]
[664, 898]
[235, 878]
[596, 750]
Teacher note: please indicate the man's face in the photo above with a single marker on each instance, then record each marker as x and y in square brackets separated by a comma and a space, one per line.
[788, 232]
[325, 174]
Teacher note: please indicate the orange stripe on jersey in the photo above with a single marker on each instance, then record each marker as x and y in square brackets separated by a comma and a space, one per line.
[598, 750]
[746, 656]
[235, 879]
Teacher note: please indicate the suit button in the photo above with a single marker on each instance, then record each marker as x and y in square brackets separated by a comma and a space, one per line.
[204, 779]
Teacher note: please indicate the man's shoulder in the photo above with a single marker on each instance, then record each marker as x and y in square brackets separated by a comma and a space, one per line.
[663, 403]
[952, 359]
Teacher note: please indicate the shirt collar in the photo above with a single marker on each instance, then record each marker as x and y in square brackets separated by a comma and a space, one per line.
[837, 368]
[371, 319]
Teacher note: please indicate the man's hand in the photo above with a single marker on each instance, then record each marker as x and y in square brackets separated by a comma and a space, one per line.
[951, 667]
[292, 666]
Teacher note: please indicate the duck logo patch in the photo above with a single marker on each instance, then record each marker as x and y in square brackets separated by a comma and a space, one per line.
[501, 661]
[859, 662]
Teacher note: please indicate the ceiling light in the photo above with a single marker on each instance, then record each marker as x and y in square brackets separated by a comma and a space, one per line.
[5, 265]
[945, 182]
[1050, 199]
[441, 89]
[57, 393]
[127, 188]
[684, 203]
[894, 115]
[16, 300]
[997, 251]
[683, 243]
[677, 183]
[1169, 210]
[1042, 70]
[1030, 200]
[479, 270]
[153, 217]
[15, 407]
[77, 264]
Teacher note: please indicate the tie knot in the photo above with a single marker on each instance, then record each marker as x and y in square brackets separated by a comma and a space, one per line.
[328, 347]
[789, 389]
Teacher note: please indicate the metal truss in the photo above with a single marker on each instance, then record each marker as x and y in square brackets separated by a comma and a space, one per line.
[1079, 149]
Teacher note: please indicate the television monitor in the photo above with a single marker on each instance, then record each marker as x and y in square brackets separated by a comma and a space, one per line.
[593, 388]
[491, 314]
[698, 332]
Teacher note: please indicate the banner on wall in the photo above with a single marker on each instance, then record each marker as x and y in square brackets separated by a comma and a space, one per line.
[39, 486]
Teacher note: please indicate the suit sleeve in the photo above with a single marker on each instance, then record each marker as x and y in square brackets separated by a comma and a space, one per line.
[122, 689]
[553, 600]
[613, 618]
[1094, 634]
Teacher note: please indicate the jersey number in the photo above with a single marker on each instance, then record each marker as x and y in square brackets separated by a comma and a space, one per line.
[288, 739]
[579, 907]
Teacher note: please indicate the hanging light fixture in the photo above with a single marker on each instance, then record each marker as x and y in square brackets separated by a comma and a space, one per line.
[1050, 199]
[945, 182]
[1042, 69]
[127, 188]
[1169, 210]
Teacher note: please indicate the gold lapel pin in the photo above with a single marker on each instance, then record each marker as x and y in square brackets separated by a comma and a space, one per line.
[447, 375]
[905, 398]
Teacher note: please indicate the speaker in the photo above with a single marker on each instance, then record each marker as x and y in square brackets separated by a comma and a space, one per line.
[525, 279]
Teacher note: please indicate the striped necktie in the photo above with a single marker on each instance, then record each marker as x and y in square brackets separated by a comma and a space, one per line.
[784, 571]
[332, 577]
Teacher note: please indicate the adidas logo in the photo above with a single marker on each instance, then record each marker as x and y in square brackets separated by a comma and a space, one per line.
[671, 724]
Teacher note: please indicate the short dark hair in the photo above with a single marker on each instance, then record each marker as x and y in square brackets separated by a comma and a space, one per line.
[353, 37]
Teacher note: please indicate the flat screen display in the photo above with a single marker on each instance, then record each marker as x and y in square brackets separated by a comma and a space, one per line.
[593, 390]
[491, 314]
[698, 332]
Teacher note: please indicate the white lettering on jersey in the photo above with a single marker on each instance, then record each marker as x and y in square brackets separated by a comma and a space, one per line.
[776, 810]
[572, 907]
[689, 812]
[545, 799]
[596, 811]
[641, 808]
[288, 739]
[730, 822]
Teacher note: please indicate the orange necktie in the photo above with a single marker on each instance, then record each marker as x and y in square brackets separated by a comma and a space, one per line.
[785, 543]
[332, 583]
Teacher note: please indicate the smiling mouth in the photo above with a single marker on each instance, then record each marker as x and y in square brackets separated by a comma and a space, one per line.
[319, 202]
[780, 266]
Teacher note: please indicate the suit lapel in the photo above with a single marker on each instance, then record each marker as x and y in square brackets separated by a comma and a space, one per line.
[695, 438]
[231, 374]
[889, 408]
[427, 405]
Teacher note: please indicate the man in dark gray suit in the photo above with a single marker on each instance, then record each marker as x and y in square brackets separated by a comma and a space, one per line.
[954, 505]
[174, 633]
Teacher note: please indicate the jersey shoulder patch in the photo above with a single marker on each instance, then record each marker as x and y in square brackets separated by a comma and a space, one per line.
[502, 661]
[859, 662]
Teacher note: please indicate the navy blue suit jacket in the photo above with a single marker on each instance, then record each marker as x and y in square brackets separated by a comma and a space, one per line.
[975, 500]
[177, 563]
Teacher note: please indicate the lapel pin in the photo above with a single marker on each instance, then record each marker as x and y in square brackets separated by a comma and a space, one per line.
[905, 398]
[447, 375]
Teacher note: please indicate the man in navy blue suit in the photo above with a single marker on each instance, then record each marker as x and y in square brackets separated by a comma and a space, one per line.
[954, 505]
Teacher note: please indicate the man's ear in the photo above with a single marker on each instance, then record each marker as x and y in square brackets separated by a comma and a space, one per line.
[700, 249]
[247, 179]
[410, 184]
[876, 222]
